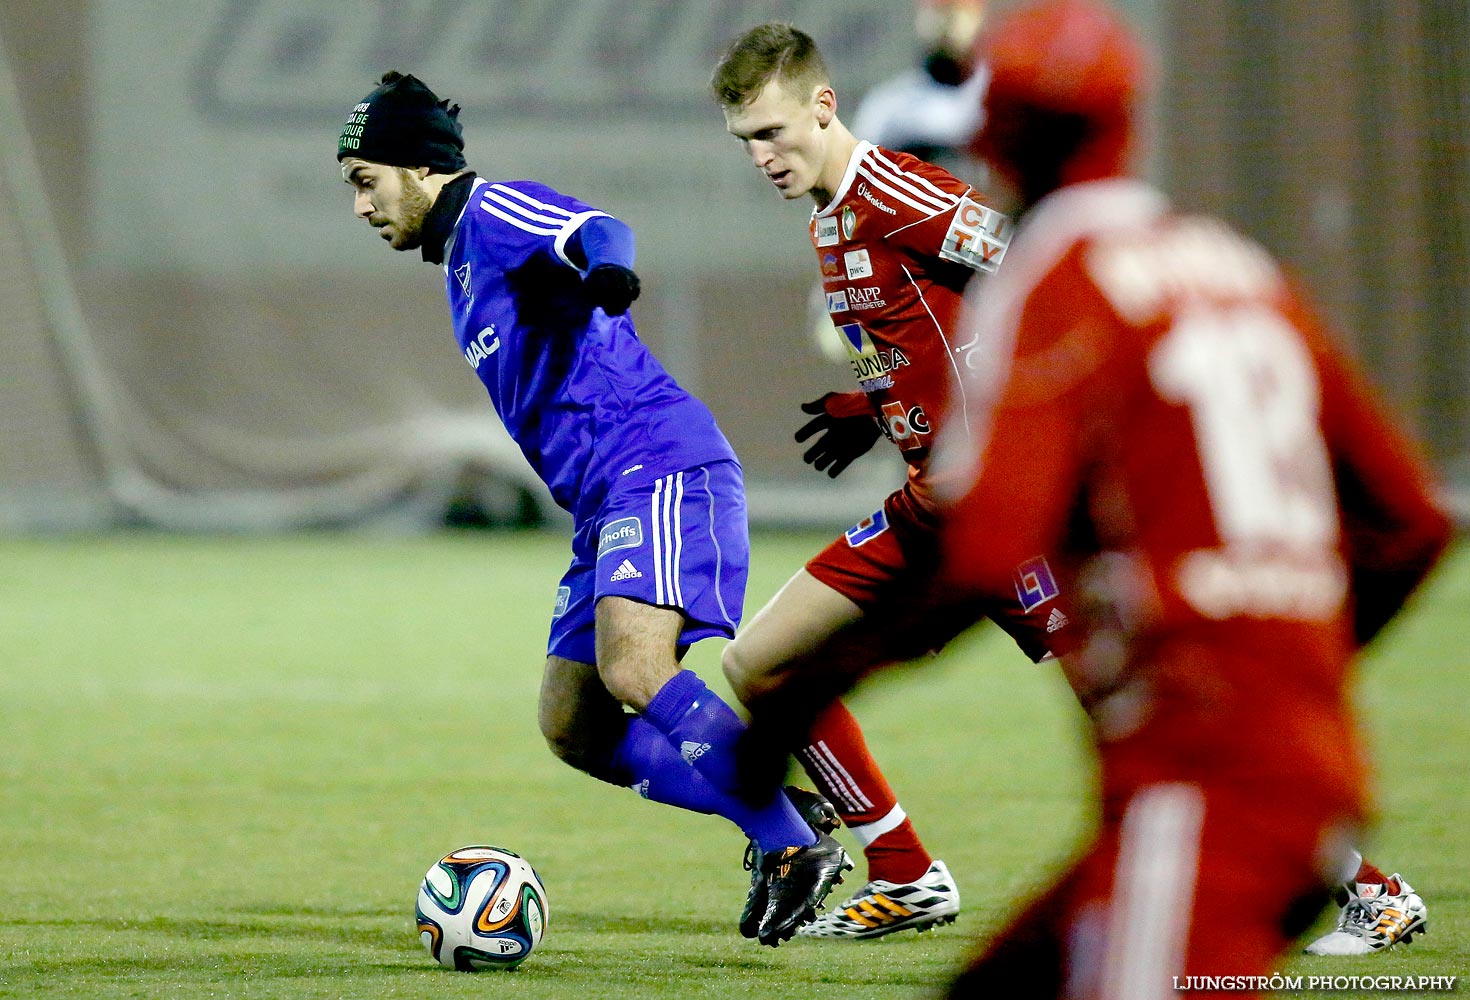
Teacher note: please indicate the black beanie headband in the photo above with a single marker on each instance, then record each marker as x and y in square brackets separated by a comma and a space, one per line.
[403, 124]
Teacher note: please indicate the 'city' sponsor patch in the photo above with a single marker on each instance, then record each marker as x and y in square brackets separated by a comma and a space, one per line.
[977, 237]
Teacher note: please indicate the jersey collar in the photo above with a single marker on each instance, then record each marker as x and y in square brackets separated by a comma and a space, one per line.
[852, 165]
[443, 218]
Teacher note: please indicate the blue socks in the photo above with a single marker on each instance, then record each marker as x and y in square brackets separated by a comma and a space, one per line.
[701, 726]
[647, 761]
[681, 751]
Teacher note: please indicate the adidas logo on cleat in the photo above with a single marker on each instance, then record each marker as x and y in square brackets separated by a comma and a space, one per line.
[625, 571]
[1056, 620]
[882, 908]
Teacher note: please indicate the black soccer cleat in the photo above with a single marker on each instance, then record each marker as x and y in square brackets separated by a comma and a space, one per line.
[798, 880]
[820, 815]
[755, 899]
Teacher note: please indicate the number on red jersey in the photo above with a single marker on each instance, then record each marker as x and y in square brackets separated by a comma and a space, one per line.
[1254, 399]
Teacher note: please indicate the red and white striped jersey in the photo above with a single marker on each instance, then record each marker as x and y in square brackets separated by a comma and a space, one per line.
[897, 245]
[1181, 436]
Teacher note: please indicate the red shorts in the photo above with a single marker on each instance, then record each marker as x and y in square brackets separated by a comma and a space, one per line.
[892, 558]
[1186, 881]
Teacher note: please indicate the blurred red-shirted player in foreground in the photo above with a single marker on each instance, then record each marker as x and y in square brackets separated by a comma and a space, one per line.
[1237, 515]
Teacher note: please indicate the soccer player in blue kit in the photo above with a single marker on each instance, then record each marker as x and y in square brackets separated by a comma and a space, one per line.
[539, 286]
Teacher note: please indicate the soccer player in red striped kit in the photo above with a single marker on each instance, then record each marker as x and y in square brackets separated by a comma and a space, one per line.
[1233, 507]
[897, 241]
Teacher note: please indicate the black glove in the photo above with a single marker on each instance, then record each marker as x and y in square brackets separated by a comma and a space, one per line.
[848, 429]
[611, 286]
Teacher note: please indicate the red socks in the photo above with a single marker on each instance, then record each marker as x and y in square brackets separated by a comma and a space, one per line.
[837, 759]
[1369, 875]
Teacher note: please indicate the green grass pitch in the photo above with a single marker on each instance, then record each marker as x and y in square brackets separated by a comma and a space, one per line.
[225, 764]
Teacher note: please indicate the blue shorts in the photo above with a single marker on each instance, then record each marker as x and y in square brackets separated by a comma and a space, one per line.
[679, 542]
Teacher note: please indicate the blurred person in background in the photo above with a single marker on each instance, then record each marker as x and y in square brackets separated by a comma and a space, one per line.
[933, 109]
[897, 241]
[1234, 509]
[539, 286]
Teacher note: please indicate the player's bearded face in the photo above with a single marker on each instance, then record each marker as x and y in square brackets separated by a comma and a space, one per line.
[391, 199]
[784, 138]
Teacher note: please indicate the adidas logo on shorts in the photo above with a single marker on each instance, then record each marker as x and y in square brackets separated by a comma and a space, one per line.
[1055, 620]
[625, 571]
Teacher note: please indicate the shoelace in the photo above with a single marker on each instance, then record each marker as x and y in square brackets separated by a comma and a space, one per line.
[1358, 917]
[862, 893]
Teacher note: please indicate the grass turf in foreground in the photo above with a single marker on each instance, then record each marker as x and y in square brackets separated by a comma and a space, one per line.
[226, 763]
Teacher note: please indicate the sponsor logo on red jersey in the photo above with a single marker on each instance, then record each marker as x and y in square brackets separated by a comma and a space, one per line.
[873, 369]
[1035, 584]
[907, 426]
[867, 529]
[866, 193]
[866, 297]
[826, 231]
[977, 237]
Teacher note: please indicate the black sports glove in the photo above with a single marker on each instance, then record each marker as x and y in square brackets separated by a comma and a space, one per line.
[612, 286]
[848, 429]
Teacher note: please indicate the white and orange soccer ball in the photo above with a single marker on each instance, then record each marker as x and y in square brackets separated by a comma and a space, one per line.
[481, 907]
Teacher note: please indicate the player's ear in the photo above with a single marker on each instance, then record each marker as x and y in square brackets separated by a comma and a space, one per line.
[826, 99]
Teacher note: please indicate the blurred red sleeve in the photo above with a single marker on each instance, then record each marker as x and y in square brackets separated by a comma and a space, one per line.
[1394, 529]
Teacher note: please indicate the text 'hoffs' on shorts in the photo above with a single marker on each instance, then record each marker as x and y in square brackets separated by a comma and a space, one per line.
[680, 541]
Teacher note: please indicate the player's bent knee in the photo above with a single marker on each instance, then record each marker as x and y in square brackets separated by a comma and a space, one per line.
[737, 669]
[568, 741]
[626, 685]
[560, 740]
[751, 677]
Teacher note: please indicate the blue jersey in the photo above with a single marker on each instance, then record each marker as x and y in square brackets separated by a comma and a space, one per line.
[588, 403]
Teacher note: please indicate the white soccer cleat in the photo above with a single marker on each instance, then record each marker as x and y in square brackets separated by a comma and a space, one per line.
[884, 907]
[1374, 920]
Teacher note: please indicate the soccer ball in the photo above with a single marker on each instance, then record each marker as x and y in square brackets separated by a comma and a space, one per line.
[481, 908]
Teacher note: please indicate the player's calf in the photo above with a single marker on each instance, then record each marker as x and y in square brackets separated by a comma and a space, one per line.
[581, 723]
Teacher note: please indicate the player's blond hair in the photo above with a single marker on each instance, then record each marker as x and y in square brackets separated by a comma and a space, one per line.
[771, 51]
